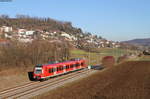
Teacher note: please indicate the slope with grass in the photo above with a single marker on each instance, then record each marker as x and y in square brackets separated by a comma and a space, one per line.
[129, 80]
[95, 58]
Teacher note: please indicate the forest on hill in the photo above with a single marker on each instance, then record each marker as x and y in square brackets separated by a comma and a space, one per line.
[46, 24]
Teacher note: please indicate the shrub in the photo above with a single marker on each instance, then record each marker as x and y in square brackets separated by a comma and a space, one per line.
[108, 61]
[140, 55]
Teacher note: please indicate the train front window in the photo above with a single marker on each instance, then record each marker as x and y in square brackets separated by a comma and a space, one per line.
[38, 71]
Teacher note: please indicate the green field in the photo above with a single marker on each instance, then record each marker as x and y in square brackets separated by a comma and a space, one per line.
[95, 58]
[143, 58]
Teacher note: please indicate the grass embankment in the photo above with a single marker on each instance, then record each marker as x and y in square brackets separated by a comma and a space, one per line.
[14, 76]
[95, 58]
[144, 58]
[129, 80]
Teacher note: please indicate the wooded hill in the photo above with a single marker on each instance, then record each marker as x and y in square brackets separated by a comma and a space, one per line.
[46, 24]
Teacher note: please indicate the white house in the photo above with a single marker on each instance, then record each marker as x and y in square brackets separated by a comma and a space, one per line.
[113, 43]
[25, 40]
[117, 46]
[6, 29]
[29, 32]
[107, 42]
[21, 31]
[101, 42]
[66, 35]
[7, 36]
[70, 37]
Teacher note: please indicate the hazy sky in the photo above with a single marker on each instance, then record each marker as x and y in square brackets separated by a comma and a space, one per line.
[112, 19]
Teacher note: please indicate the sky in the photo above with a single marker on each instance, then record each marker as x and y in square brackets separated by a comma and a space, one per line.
[116, 20]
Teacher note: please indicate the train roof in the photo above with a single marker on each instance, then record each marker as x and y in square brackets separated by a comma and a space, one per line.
[61, 63]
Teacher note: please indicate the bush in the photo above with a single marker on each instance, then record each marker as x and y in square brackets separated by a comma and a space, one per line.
[108, 61]
[140, 55]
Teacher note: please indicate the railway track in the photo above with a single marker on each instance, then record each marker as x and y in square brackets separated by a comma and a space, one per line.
[34, 88]
[17, 87]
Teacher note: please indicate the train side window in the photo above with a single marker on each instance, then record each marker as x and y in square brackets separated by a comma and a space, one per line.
[57, 68]
[67, 67]
[71, 66]
[77, 64]
[74, 65]
[60, 68]
[51, 70]
[82, 64]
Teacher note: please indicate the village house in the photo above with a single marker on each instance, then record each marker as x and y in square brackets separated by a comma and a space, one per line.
[6, 29]
[69, 37]
[29, 32]
[7, 36]
[66, 36]
[25, 32]
[21, 31]
[25, 40]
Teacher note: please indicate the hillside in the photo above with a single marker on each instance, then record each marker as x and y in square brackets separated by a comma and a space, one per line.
[143, 42]
[26, 29]
[129, 80]
[34, 23]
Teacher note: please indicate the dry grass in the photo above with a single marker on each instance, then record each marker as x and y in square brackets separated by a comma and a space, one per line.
[13, 77]
[129, 80]
[122, 58]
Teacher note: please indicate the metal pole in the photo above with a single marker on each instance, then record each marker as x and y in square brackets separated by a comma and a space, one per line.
[89, 59]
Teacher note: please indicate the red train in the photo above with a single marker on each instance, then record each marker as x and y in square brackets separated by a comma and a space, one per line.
[45, 71]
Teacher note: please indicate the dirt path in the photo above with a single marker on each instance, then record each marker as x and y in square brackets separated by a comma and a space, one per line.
[130, 80]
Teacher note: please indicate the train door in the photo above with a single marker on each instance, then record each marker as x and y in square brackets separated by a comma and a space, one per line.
[55, 70]
[71, 67]
[67, 67]
[74, 66]
[64, 69]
